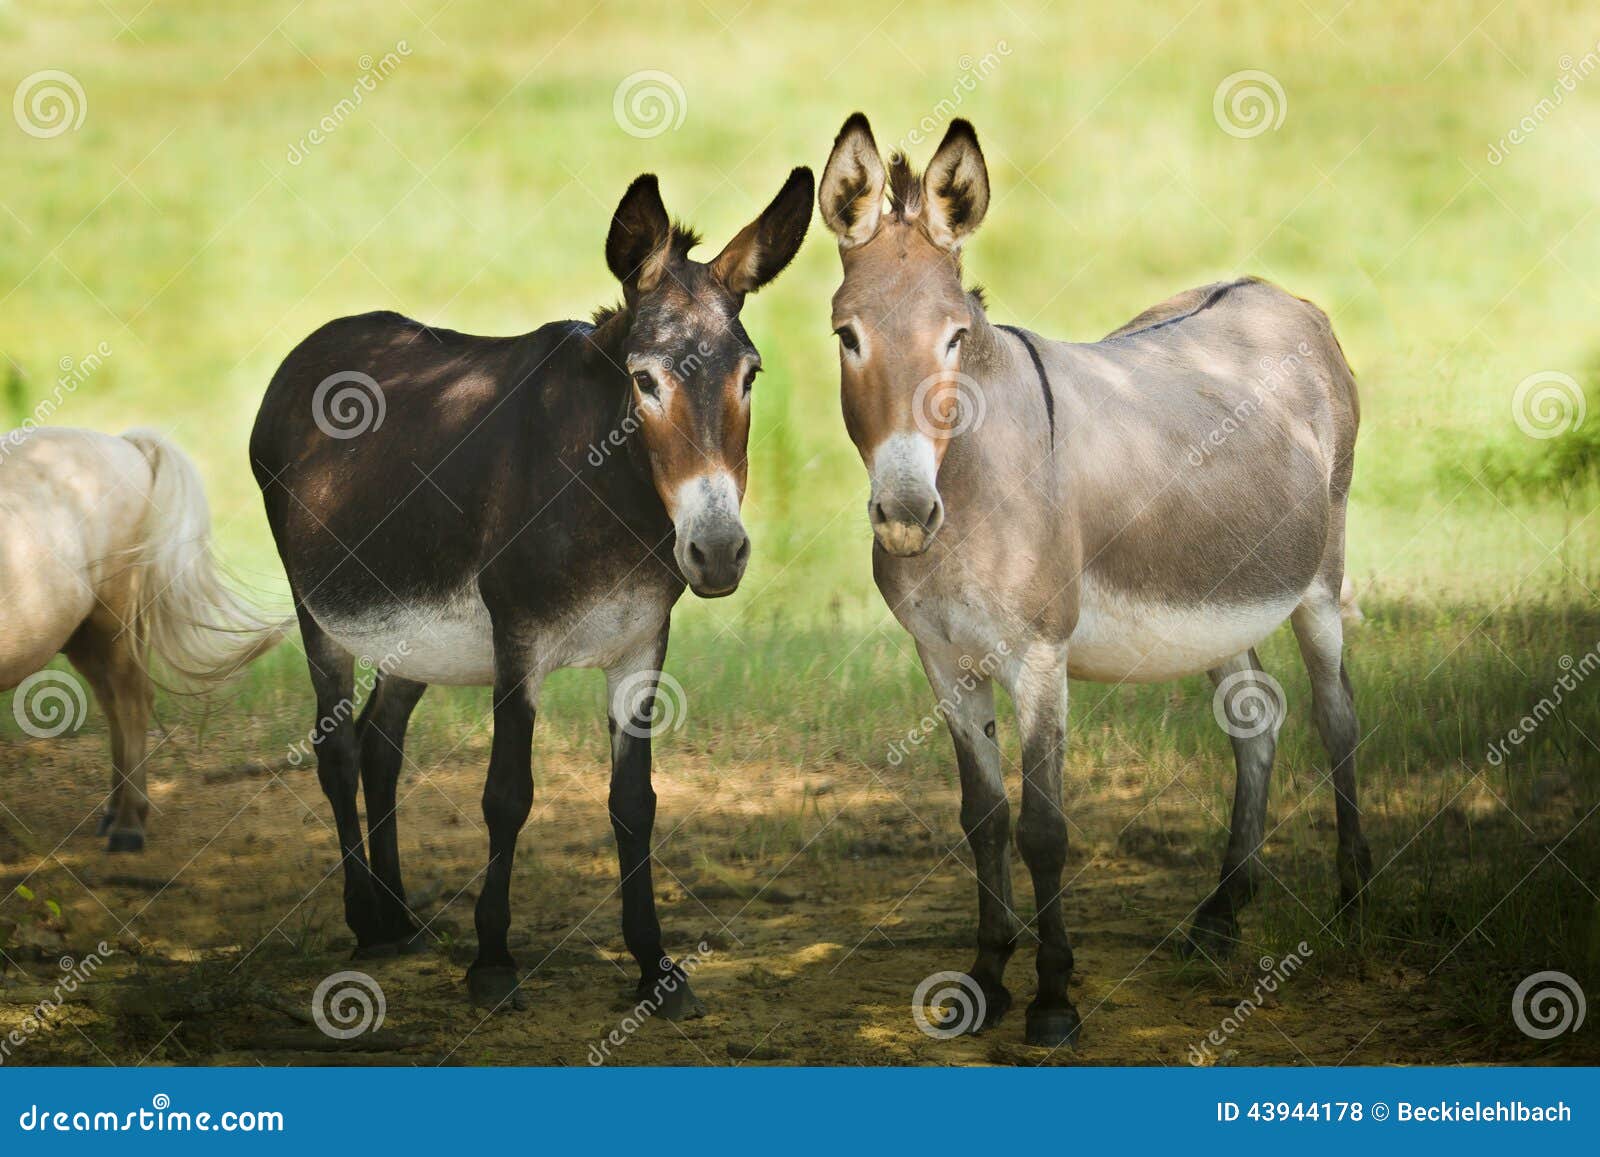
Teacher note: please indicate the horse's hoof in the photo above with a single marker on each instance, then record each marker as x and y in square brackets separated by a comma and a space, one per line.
[103, 828]
[126, 841]
[496, 987]
[1212, 938]
[996, 1003]
[1053, 1027]
[672, 998]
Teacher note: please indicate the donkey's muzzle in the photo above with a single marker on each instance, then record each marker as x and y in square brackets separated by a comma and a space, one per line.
[905, 523]
[714, 562]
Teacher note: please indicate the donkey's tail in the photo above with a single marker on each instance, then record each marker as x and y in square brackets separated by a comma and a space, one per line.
[185, 612]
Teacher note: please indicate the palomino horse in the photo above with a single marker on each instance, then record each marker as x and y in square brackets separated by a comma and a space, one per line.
[506, 507]
[1143, 507]
[105, 556]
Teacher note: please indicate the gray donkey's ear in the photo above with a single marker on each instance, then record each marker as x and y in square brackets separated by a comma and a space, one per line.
[955, 189]
[851, 196]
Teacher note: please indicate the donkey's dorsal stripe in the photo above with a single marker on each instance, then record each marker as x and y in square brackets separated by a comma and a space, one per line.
[1044, 380]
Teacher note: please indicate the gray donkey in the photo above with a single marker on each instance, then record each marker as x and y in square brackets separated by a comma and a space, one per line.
[1140, 508]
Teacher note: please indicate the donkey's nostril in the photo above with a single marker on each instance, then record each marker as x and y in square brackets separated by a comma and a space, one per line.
[932, 513]
[878, 514]
[743, 553]
[696, 555]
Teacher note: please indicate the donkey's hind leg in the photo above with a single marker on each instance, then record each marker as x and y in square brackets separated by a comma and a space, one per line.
[108, 658]
[1320, 631]
[1251, 712]
[382, 732]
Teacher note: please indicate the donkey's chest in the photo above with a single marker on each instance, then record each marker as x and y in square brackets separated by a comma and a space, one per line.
[452, 641]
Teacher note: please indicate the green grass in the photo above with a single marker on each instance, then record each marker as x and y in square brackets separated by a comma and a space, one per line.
[472, 189]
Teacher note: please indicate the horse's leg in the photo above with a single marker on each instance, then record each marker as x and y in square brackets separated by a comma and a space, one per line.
[338, 769]
[107, 658]
[966, 699]
[492, 979]
[1253, 715]
[631, 693]
[382, 734]
[1039, 690]
[1320, 632]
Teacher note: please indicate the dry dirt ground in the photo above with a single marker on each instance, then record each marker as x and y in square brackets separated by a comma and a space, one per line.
[823, 896]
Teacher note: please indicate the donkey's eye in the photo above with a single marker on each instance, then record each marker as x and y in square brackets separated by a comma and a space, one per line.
[847, 338]
[750, 378]
[955, 341]
[646, 383]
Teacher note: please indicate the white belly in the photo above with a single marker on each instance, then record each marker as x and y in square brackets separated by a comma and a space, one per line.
[453, 642]
[1122, 639]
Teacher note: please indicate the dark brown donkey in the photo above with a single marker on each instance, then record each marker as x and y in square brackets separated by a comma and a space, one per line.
[475, 510]
[1143, 507]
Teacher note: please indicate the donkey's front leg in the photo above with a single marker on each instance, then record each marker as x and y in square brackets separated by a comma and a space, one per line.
[1039, 691]
[507, 799]
[966, 699]
[631, 692]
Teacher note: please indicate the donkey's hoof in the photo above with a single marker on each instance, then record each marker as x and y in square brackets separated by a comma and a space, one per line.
[1211, 938]
[1053, 1027]
[103, 828]
[126, 841]
[672, 998]
[405, 944]
[497, 988]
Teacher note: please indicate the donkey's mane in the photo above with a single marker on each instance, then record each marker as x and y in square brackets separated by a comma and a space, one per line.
[905, 187]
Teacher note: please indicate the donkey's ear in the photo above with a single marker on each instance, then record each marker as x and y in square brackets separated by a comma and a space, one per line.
[955, 189]
[637, 246]
[762, 248]
[851, 198]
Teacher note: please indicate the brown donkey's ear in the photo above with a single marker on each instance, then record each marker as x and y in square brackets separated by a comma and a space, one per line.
[851, 198]
[762, 248]
[955, 189]
[638, 244]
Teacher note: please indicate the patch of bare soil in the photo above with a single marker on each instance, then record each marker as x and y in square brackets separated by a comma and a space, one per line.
[822, 898]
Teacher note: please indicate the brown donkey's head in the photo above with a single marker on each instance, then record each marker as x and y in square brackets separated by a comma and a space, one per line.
[692, 364]
[900, 314]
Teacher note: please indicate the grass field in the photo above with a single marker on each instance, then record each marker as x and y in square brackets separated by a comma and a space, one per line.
[188, 233]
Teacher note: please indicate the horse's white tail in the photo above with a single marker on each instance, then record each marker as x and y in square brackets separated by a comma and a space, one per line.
[186, 613]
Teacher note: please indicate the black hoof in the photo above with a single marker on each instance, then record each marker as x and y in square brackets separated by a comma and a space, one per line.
[103, 828]
[126, 841]
[996, 1003]
[411, 943]
[672, 998]
[497, 988]
[1209, 938]
[1053, 1027]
